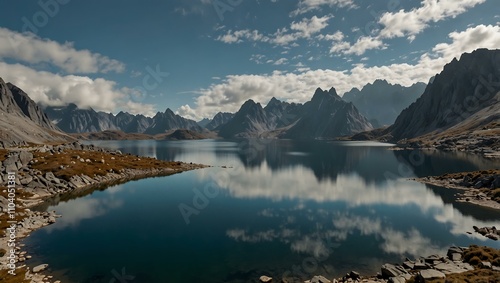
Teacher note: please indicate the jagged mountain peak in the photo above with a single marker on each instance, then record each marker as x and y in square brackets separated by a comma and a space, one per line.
[320, 94]
[446, 102]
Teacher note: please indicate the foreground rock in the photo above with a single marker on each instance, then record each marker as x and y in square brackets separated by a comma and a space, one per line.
[488, 232]
[458, 261]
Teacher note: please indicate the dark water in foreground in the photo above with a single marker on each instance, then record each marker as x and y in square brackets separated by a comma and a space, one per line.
[282, 208]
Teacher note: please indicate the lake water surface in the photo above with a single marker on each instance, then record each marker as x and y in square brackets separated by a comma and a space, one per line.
[280, 208]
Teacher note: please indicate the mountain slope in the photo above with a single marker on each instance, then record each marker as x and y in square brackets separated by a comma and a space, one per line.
[464, 96]
[22, 120]
[382, 102]
[72, 119]
[168, 120]
[250, 121]
[327, 116]
[219, 119]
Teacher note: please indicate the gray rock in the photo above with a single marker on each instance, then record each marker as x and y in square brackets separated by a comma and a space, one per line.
[320, 279]
[40, 268]
[51, 178]
[77, 182]
[26, 180]
[449, 268]
[265, 279]
[496, 182]
[456, 257]
[429, 274]
[492, 236]
[397, 280]
[25, 157]
[389, 270]
[10, 168]
[432, 258]
[486, 264]
[408, 265]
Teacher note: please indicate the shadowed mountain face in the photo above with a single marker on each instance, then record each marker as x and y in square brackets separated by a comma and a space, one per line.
[463, 97]
[219, 120]
[21, 119]
[252, 120]
[382, 102]
[168, 120]
[327, 116]
[72, 119]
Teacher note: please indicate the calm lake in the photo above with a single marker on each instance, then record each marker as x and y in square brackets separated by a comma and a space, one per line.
[277, 208]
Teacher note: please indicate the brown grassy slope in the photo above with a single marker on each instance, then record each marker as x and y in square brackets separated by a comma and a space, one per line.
[5, 277]
[71, 164]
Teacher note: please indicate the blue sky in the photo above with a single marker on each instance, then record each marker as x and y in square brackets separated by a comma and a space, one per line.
[199, 57]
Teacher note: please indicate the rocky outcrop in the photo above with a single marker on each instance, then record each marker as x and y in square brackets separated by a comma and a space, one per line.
[29, 108]
[488, 232]
[420, 270]
[382, 102]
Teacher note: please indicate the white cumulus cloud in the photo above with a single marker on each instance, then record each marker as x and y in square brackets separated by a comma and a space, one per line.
[231, 92]
[29, 48]
[56, 90]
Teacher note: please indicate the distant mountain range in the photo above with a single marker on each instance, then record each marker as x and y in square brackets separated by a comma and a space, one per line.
[325, 116]
[72, 119]
[463, 98]
[22, 120]
[459, 107]
[218, 120]
[381, 102]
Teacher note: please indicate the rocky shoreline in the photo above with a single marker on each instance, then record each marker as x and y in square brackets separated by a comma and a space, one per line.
[487, 145]
[479, 187]
[474, 263]
[35, 183]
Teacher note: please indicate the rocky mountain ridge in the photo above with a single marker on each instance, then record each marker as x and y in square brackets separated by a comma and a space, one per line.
[382, 102]
[22, 120]
[325, 116]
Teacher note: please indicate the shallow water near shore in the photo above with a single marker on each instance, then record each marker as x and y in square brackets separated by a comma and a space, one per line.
[280, 208]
